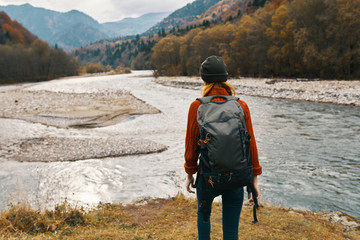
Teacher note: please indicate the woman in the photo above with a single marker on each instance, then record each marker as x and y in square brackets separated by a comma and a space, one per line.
[213, 72]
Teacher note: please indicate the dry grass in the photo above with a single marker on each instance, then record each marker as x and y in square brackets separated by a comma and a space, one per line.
[173, 218]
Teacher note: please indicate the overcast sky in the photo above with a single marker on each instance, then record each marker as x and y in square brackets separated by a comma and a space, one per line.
[106, 10]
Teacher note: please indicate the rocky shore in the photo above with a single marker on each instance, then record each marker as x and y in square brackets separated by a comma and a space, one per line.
[325, 91]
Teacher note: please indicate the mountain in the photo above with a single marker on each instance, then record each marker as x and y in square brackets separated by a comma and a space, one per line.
[133, 26]
[77, 36]
[55, 27]
[32, 18]
[183, 15]
[204, 12]
[75, 29]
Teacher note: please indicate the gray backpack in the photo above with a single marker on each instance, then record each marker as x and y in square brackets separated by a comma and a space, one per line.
[224, 144]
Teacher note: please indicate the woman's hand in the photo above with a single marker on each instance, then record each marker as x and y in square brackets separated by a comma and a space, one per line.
[256, 189]
[190, 182]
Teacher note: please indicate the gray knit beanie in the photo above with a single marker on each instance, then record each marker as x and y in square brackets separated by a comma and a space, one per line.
[213, 69]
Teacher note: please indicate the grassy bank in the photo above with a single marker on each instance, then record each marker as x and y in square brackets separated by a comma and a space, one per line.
[173, 218]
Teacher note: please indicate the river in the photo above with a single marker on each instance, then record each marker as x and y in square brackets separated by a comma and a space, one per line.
[310, 152]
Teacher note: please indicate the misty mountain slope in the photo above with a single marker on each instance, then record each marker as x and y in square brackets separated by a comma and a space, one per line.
[133, 26]
[74, 29]
[34, 21]
[77, 36]
[49, 25]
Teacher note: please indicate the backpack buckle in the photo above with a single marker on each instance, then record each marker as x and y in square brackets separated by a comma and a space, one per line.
[206, 140]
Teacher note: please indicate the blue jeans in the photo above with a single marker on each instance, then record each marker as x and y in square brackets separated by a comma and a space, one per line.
[232, 201]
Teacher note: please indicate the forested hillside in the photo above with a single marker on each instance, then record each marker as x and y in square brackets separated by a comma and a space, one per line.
[183, 15]
[222, 11]
[24, 57]
[298, 38]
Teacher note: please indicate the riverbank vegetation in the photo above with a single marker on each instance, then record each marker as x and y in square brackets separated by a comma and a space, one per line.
[173, 218]
[285, 38]
[99, 68]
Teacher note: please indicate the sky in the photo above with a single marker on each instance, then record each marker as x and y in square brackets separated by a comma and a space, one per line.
[105, 10]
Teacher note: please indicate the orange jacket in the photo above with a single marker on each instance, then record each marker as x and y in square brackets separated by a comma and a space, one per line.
[193, 135]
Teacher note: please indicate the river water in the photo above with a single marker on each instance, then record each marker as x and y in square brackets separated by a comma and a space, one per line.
[310, 152]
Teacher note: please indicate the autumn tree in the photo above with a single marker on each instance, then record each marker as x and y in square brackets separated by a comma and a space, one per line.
[282, 56]
[94, 68]
[250, 45]
[166, 56]
[258, 42]
[346, 36]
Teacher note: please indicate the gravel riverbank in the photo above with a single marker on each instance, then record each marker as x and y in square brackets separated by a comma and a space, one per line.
[66, 120]
[58, 149]
[325, 91]
[63, 109]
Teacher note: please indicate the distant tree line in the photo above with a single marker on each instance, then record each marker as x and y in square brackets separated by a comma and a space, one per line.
[24, 57]
[131, 53]
[99, 68]
[38, 62]
[298, 38]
